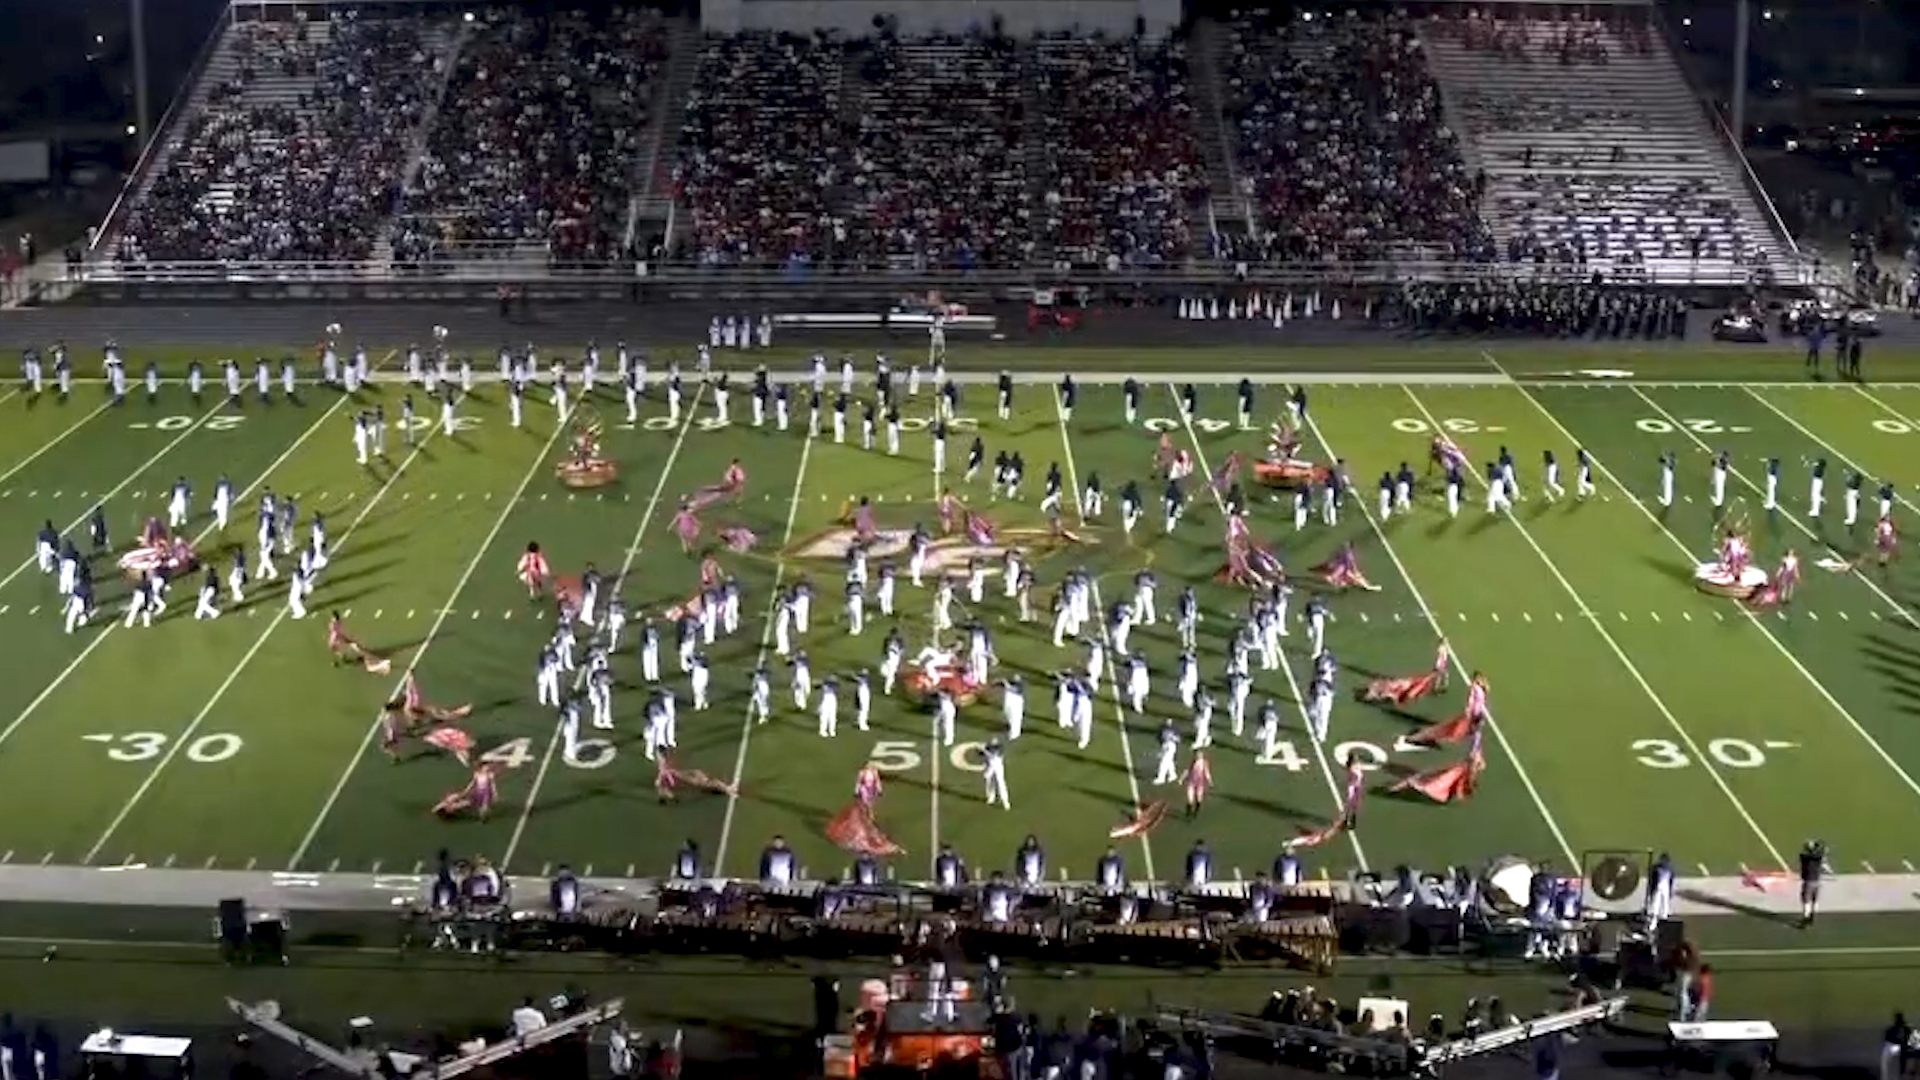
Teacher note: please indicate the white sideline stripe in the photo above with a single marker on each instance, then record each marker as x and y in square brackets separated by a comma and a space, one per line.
[53, 442]
[113, 625]
[1613, 644]
[1819, 687]
[1286, 665]
[766, 643]
[433, 631]
[626, 567]
[1413, 590]
[1355, 378]
[1100, 625]
[174, 746]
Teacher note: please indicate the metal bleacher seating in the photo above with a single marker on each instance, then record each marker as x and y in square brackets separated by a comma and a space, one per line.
[1595, 149]
[291, 149]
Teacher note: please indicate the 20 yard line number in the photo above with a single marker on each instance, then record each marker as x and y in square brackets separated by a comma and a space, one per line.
[148, 745]
[1667, 754]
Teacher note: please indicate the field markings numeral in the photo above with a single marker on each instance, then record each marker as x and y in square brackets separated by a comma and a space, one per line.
[1730, 753]
[1452, 425]
[148, 745]
[1654, 425]
[899, 755]
[1365, 755]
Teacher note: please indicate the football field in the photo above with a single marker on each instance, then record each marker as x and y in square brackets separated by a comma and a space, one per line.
[1629, 710]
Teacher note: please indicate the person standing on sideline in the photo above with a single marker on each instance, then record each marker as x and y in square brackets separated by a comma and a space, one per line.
[1893, 1047]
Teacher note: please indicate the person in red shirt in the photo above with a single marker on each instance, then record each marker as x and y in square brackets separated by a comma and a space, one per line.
[1702, 994]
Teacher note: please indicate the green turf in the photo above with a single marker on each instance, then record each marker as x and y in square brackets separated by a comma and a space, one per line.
[1631, 711]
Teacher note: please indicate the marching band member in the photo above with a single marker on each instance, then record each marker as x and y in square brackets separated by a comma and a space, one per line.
[829, 707]
[1238, 688]
[1081, 701]
[1456, 486]
[1886, 499]
[1197, 781]
[79, 603]
[944, 712]
[1551, 482]
[1509, 477]
[570, 729]
[177, 503]
[600, 693]
[1772, 501]
[1172, 503]
[1187, 682]
[546, 682]
[1268, 729]
[209, 593]
[1320, 707]
[1013, 705]
[1852, 499]
[1817, 488]
[1130, 509]
[994, 759]
[1386, 495]
[46, 549]
[800, 680]
[649, 651]
[144, 600]
[1169, 742]
[1317, 617]
[1497, 499]
[1667, 465]
[892, 652]
[1660, 890]
[1886, 542]
[1203, 719]
[655, 737]
[1583, 481]
[1717, 480]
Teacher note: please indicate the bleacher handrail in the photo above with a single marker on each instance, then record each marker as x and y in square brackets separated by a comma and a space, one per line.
[1198, 273]
[158, 136]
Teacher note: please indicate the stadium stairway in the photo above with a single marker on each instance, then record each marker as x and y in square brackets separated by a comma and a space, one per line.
[1675, 178]
[448, 43]
[1230, 208]
[1033, 147]
[653, 173]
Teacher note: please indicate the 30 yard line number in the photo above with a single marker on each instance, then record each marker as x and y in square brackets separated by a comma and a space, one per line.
[1163, 425]
[901, 756]
[583, 754]
[1667, 754]
[148, 745]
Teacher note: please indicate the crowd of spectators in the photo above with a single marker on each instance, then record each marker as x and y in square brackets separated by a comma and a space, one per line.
[761, 150]
[939, 166]
[1572, 40]
[538, 134]
[305, 176]
[1341, 142]
[1124, 172]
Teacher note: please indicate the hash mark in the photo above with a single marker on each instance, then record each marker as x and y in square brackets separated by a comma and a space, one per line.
[546, 870]
[589, 871]
[1687, 615]
[1363, 616]
[476, 614]
[251, 863]
[35, 610]
[1655, 614]
[1623, 616]
[46, 859]
[375, 869]
[1906, 864]
[1495, 615]
[1704, 872]
[630, 870]
[409, 613]
[1868, 866]
[419, 866]
[1814, 615]
[1526, 616]
[1463, 616]
[8, 857]
[1720, 616]
[1876, 615]
[168, 865]
[1843, 616]
[333, 866]
[508, 614]
[379, 613]
[1559, 617]
[1396, 616]
[209, 862]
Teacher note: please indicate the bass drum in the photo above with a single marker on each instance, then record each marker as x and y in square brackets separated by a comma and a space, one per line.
[1507, 885]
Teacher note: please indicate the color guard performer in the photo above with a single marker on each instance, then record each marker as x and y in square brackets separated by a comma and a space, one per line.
[534, 572]
[345, 648]
[1198, 781]
[479, 795]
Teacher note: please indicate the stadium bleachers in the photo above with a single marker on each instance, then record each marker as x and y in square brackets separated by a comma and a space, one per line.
[1124, 173]
[295, 152]
[537, 137]
[1595, 149]
[533, 134]
[1337, 127]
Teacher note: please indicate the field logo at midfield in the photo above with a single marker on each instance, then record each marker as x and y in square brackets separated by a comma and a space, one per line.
[947, 556]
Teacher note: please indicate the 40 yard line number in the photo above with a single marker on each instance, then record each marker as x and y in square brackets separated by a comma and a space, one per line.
[583, 754]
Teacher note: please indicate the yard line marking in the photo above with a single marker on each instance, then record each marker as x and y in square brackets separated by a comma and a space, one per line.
[373, 729]
[1286, 666]
[1844, 617]
[1655, 614]
[53, 442]
[209, 863]
[1613, 643]
[766, 644]
[233, 676]
[139, 471]
[1867, 866]
[1704, 872]
[1886, 408]
[1818, 686]
[626, 567]
[112, 625]
[1687, 615]
[1500, 736]
[168, 864]
[1794, 519]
